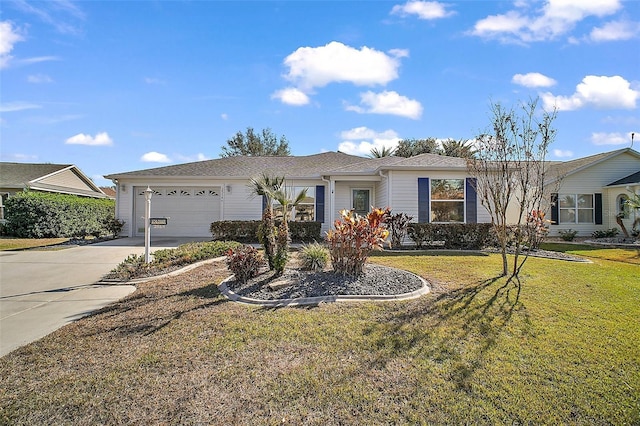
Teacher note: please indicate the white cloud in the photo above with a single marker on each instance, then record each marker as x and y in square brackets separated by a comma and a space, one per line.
[39, 78]
[190, 158]
[100, 139]
[615, 30]
[596, 91]
[387, 102]
[533, 79]
[610, 138]
[562, 153]
[224, 116]
[311, 67]
[58, 14]
[155, 157]
[555, 18]
[422, 9]
[291, 96]
[361, 140]
[18, 106]
[8, 37]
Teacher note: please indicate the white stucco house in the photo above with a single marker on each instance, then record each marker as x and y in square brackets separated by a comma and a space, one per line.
[428, 187]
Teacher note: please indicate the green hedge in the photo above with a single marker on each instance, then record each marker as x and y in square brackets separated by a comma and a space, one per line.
[466, 236]
[32, 214]
[245, 231]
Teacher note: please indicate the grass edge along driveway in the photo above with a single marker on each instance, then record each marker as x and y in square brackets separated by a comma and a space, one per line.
[563, 350]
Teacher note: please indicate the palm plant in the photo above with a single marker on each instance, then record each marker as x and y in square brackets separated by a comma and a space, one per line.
[266, 186]
[384, 152]
[457, 148]
[288, 200]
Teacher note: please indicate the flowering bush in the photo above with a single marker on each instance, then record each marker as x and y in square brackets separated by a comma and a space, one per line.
[537, 227]
[354, 237]
[244, 262]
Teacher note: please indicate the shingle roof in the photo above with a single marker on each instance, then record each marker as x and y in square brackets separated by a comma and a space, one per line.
[627, 180]
[243, 166]
[17, 175]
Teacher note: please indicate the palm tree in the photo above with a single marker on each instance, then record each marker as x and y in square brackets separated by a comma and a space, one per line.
[288, 201]
[384, 152]
[266, 186]
[458, 148]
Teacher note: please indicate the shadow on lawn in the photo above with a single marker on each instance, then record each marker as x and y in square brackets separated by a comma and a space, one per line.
[459, 327]
[145, 308]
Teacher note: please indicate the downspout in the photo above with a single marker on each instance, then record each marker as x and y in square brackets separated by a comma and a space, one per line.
[331, 199]
[388, 178]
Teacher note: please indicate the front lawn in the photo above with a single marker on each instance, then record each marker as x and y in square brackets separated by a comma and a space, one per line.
[10, 243]
[563, 350]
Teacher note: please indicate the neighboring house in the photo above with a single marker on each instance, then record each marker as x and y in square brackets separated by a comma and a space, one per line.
[60, 178]
[428, 187]
[592, 191]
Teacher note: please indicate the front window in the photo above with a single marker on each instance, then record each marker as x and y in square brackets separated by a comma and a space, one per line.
[576, 208]
[447, 200]
[303, 212]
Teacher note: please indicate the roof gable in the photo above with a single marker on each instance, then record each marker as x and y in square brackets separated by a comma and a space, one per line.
[633, 178]
[567, 168]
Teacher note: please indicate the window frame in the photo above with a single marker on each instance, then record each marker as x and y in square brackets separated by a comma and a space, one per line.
[461, 201]
[576, 209]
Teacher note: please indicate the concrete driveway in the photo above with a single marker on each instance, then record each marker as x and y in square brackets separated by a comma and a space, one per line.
[44, 289]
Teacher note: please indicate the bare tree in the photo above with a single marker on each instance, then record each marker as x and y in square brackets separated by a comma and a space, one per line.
[510, 168]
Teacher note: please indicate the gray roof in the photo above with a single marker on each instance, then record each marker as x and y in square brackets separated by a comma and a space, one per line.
[17, 175]
[309, 166]
[627, 180]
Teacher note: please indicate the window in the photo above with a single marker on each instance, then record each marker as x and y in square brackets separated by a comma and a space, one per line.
[447, 200]
[623, 207]
[305, 211]
[361, 201]
[576, 208]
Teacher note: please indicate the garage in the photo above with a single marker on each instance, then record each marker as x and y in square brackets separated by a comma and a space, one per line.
[190, 210]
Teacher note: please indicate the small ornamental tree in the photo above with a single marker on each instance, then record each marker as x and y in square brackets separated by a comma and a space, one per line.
[354, 237]
[265, 186]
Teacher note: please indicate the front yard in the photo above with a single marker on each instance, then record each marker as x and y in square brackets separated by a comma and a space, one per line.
[563, 350]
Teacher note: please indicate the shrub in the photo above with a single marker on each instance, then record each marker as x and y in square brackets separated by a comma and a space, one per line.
[397, 225]
[314, 257]
[249, 231]
[165, 259]
[567, 234]
[607, 233]
[466, 236]
[113, 226]
[33, 214]
[244, 262]
[354, 237]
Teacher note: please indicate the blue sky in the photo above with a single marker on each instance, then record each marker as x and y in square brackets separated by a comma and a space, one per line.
[115, 86]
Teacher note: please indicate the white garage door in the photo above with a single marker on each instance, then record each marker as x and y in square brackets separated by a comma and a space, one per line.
[190, 210]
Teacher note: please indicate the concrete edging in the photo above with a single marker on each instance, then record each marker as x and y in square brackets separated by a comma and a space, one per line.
[278, 303]
[167, 275]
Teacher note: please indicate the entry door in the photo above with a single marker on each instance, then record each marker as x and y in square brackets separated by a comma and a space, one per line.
[361, 201]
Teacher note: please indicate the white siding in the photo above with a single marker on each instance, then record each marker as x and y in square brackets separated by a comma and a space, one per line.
[593, 180]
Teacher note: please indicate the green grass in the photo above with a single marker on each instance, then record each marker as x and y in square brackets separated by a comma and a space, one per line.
[561, 350]
[9, 243]
[616, 254]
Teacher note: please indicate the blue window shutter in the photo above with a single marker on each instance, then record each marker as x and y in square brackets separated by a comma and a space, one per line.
[471, 200]
[598, 211]
[555, 209]
[264, 203]
[423, 200]
[320, 203]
